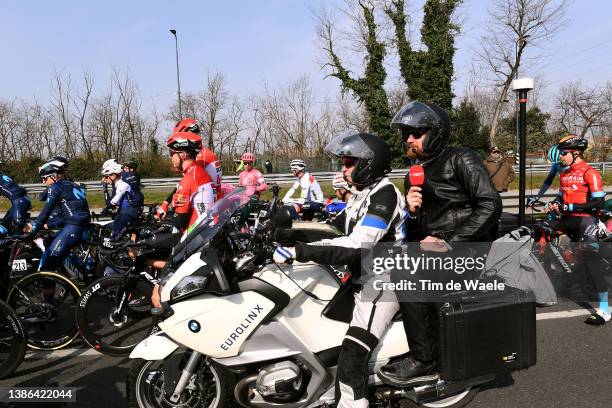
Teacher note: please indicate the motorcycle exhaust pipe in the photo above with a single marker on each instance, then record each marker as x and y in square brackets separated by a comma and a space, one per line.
[241, 391]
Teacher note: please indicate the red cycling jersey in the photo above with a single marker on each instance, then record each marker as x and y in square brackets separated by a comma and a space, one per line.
[208, 160]
[579, 184]
[198, 194]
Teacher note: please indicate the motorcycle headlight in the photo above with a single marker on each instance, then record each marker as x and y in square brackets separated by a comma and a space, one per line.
[188, 285]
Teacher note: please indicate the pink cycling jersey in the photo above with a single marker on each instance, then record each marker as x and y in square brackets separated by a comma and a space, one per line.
[253, 180]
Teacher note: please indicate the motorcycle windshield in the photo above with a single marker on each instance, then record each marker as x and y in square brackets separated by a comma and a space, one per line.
[210, 224]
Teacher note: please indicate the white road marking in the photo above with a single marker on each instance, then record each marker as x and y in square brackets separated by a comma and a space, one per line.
[563, 314]
[68, 352]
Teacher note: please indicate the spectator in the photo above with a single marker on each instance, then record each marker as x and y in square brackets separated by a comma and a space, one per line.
[268, 165]
[500, 169]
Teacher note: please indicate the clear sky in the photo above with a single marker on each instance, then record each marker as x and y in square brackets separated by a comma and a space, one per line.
[249, 41]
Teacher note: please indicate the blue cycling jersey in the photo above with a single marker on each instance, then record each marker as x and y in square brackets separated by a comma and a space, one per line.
[70, 198]
[335, 207]
[134, 196]
[554, 169]
[9, 188]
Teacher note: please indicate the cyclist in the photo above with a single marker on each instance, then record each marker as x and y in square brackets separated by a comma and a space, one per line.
[343, 193]
[206, 158]
[194, 195]
[311, 196]
[555, 168]
[73, 218]
[16, 217]
[55, 216]
[250, 177]
[130, 175]
[581, 196]
[124, 195]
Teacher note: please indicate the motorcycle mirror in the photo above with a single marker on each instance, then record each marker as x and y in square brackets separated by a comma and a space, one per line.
[282, 218]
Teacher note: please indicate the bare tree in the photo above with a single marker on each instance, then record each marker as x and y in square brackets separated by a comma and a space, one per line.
[583, 110]
[515, 25]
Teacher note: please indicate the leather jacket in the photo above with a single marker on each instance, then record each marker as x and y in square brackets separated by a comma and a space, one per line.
[460, 202]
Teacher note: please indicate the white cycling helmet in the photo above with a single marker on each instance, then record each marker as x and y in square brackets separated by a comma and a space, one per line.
[297, 165]
[111, 167]
[339, 182]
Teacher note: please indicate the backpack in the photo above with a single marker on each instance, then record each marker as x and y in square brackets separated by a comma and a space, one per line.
[512, 259]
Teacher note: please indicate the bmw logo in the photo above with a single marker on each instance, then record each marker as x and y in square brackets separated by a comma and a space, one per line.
[194, 326]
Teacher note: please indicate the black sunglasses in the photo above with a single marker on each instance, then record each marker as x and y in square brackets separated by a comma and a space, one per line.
[417, 133]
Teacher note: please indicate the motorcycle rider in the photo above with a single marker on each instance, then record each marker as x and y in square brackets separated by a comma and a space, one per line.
[581, 196]
[125, 195]
[457, 202]
[15, 217]
[311, 196]
[74, 217]
[250, 177]
[373, 214]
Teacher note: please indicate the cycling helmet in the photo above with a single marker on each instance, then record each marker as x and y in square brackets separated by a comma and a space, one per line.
[187, 125]
[553, 154]
[185, 142]
[130, 163]
[339, 182]
[248, 158]
[297, 165]
[573, 142]
[111, 167]
[59, 161]
[51, 168]
[426, 117]
[372, 153]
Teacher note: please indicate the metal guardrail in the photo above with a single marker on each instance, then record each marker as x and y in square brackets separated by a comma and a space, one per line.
[286, 178]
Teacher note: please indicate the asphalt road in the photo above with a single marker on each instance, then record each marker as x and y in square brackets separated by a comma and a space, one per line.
[574, 370]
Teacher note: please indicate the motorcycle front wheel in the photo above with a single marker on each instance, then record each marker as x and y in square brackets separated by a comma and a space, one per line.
[209, 387]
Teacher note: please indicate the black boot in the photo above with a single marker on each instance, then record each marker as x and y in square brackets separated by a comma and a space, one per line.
[408, 371]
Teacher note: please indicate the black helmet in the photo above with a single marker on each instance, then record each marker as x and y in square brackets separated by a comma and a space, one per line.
[50, 168]
[429, 117]
[372, 153]
[130, 163]
[573, 142]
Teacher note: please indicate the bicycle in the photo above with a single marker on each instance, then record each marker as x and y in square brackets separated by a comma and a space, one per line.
[561, 258]
[43, 301]
[114, 311]
[13, 341]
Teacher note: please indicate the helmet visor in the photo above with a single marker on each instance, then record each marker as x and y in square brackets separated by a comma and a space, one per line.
[349, 144]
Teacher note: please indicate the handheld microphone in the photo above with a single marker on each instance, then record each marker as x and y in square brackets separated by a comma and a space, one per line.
[416, 177]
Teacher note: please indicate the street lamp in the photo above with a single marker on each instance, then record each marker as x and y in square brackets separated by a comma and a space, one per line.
[521, 87]
[178, 81]
[523, 42]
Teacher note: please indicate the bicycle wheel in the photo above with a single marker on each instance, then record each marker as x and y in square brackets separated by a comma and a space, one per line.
[46, 302]
[12, 341]
[113, 319]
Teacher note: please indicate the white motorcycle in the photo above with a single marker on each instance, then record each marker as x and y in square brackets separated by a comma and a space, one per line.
[237, 327]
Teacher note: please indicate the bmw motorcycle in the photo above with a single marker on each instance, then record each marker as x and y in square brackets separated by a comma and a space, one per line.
[236, 327]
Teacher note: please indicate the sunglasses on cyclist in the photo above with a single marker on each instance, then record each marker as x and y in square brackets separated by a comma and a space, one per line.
[564, 152]
[416, 133]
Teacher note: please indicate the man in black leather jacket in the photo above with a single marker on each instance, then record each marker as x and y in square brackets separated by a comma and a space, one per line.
[457, 203]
